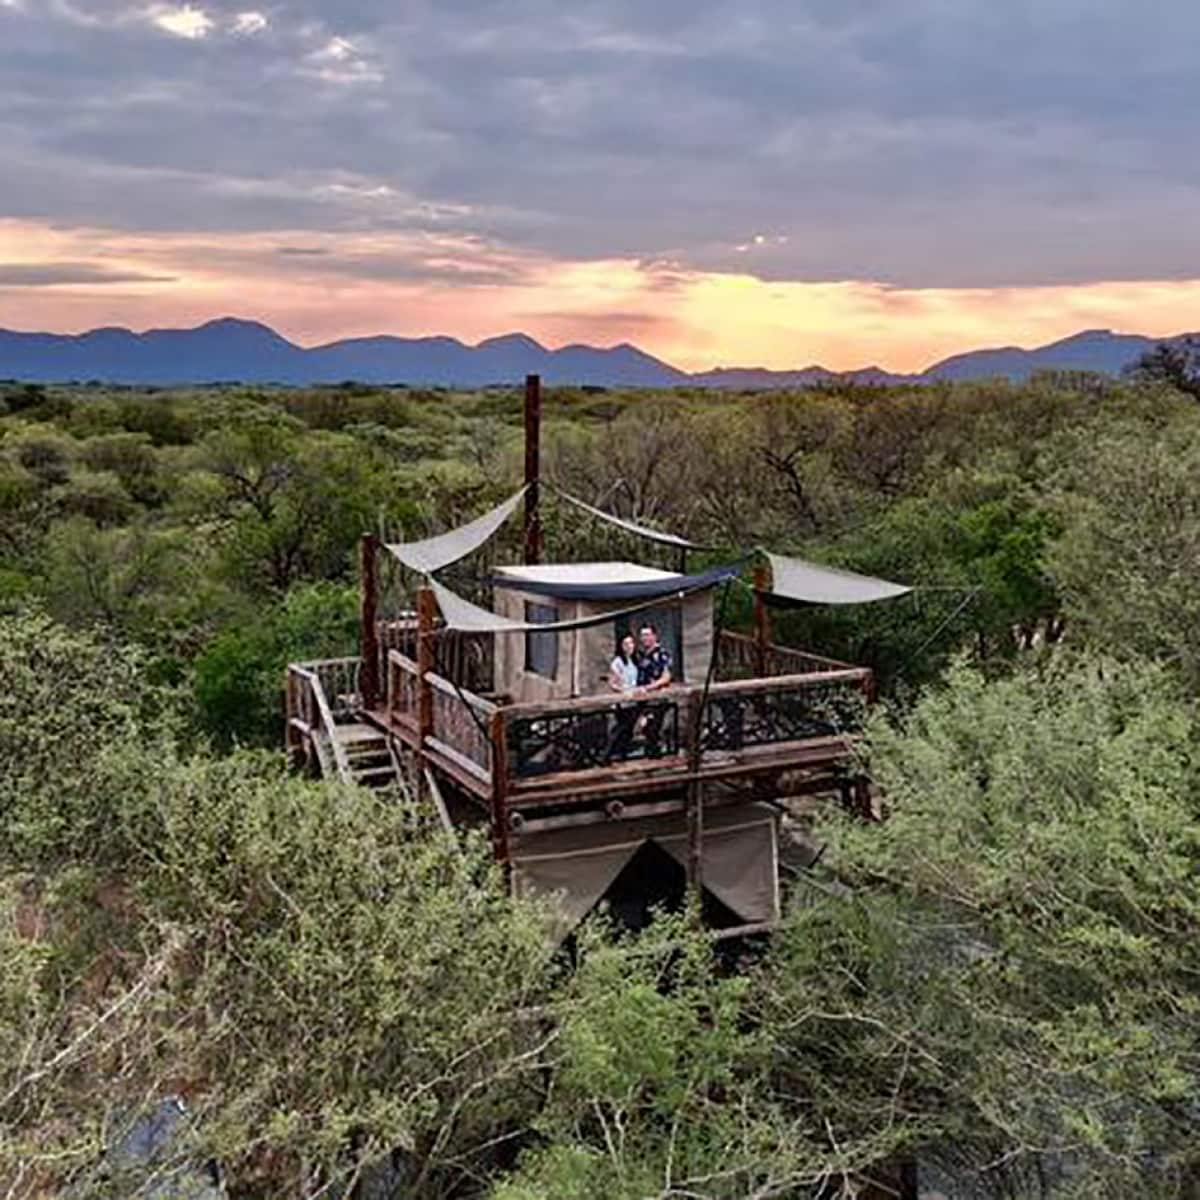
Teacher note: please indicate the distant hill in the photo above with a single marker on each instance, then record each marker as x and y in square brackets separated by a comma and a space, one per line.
[756, 378]
[230, 349]
[1092, 350]
[234, 350]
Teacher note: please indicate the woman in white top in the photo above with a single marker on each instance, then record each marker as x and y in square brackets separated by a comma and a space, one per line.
[623, 674]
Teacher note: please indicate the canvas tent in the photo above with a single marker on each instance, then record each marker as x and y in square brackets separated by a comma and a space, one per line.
[559, 665]
[576, 866]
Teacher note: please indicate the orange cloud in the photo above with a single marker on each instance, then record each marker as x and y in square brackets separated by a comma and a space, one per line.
[318, 287]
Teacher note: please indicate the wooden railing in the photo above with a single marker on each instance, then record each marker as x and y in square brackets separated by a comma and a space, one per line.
[788, 708]
[560, 737]
[494, 748]
[459, 721]
[316, 694]
[402, 689]
[462, 727]
[738, 658]
[467, 659]
[575, 735]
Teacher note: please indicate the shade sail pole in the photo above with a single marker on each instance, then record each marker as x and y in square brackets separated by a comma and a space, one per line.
[533, 447]
[368, 679]
[762, 620]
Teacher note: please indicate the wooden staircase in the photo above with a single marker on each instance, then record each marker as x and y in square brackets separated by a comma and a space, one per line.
[323, 726]
[367, 754]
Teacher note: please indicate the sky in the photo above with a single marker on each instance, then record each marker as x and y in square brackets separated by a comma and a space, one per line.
[721, 182]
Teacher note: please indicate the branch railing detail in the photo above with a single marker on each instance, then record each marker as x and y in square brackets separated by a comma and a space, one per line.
[461, 726]
[578, 735]
[460, 719]
[766, 712]
[402, 687]
[467, 659]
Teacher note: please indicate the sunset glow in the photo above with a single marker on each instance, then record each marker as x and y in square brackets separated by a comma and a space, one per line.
[71, 281]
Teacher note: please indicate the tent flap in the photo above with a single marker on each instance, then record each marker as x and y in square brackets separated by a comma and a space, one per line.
[577, 866]
[575, 880]
[798, 580]
[431, 554]
[739, 865]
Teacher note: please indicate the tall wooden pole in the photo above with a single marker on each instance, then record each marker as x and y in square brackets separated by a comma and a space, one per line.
[499, 735]
[694, 803]
[426, 612]
[368, 678]
[533, 440]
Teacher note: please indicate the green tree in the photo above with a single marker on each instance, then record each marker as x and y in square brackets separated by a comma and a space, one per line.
[1128, 561]
[1015, 985]
[331, 981]
[239, 674]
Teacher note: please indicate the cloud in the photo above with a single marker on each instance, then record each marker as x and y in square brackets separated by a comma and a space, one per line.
[340, 61]
[60, 274]
[246, 24]
[183, 21]
[920, 146]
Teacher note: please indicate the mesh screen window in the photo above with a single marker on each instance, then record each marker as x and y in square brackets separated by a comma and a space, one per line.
[541, 649]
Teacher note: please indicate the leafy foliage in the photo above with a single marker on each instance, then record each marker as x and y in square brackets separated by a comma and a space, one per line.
[999, 983]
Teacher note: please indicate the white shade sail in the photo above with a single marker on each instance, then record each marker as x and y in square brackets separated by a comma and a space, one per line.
[810, 583]
[431, 554]
[642, 531]
[458, 613]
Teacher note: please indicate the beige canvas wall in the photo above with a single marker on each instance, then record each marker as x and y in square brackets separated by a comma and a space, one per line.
[526, 687]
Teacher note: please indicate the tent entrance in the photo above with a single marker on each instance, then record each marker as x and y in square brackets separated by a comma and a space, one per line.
[637, 864]
[653, 880]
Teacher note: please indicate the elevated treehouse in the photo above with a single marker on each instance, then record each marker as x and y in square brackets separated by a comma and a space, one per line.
[505, 717]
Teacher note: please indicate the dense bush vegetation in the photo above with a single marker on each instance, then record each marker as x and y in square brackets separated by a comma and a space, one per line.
[999, 982]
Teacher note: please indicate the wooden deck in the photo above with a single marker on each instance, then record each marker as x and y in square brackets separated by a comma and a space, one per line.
[774, 716]
[577, 751]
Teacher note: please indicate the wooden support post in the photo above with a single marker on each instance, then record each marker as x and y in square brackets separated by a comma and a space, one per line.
[762, 621]
[368, 675]
[291, 735]
[499, 732]
[426, 611]
[695, 803]
[533, 441]
[861, 788]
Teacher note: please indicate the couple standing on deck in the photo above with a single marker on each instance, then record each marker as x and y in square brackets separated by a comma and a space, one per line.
[639, 669]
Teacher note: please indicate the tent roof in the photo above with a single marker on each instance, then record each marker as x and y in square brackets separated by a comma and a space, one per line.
[609, 581]
[575, 574]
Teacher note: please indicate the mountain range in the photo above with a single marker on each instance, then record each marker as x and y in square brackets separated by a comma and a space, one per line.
[229, 350]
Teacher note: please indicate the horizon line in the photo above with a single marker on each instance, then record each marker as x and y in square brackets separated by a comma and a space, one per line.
[516, 333]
